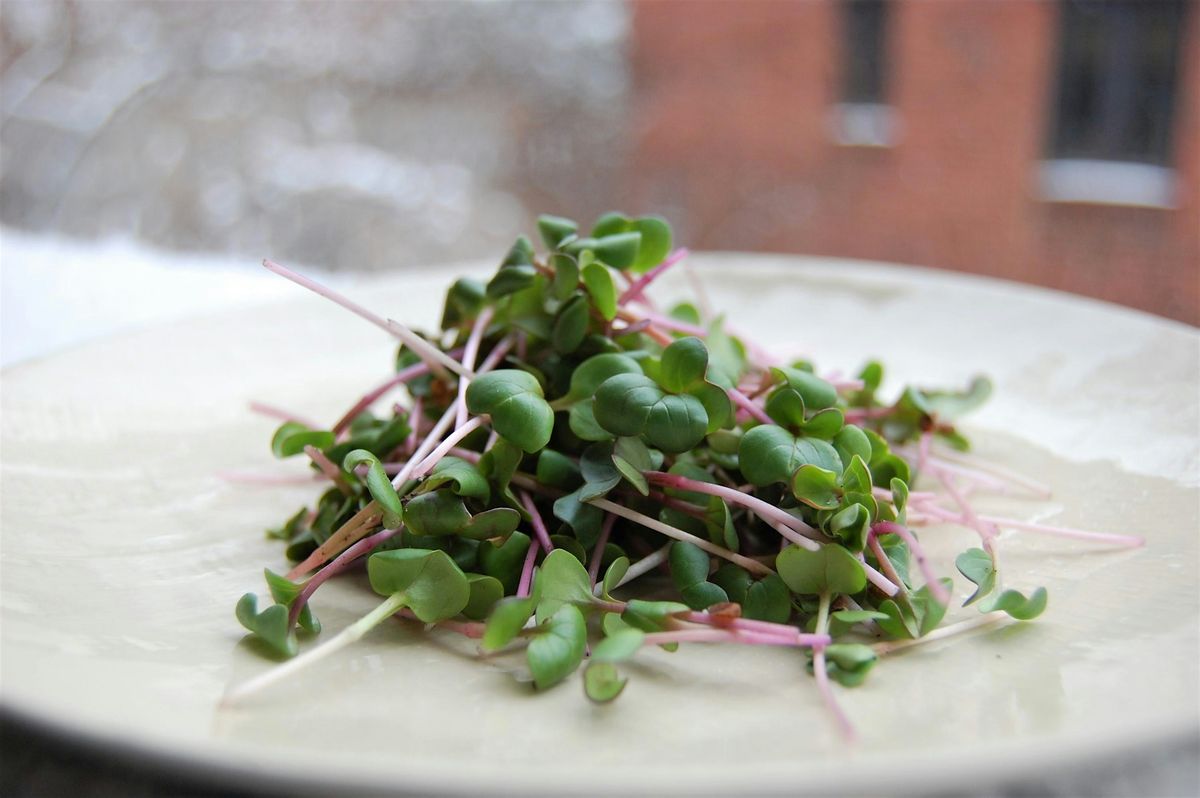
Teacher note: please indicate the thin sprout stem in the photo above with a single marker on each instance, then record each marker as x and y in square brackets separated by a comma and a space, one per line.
[264, 409]
[438, 360]
[634, 291]
[762, 627]
[892, 646]
[646, 564]
[349, 533]
[760, 507]
[445, 446]
[427, 445]
[527, 569]
[935, 586]
[496, 355]
[328, 469]
[468, 360]
[415, 416]
[678, 534]
[399, 378]
[472, 629]
[750, 406]
[721, 636]
[885, 562]
[339, 564]
[539, 526]
[994, 469]
[819, 670]
[1030, 526]
[350, 634]
[598, 553]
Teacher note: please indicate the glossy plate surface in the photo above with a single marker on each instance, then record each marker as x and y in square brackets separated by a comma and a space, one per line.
[123, 552]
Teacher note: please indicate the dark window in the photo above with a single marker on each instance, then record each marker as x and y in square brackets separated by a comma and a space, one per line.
[864, 27]
[1117, 79]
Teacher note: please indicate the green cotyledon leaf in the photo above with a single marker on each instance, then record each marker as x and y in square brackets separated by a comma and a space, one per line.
[558, 647]
[513, 399]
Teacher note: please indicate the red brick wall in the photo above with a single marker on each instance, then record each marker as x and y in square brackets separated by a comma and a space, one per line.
[730, 124]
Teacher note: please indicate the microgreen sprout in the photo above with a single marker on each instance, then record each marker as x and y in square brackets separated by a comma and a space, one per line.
[604, 451]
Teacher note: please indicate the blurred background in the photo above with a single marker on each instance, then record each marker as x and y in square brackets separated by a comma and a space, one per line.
[1055, 143]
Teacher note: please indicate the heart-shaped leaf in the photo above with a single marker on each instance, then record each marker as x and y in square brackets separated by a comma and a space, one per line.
[602, 682]
[570, 325]
[655, 237]
[816, 392]
[433, 586]
[464, 300]
[504, 560]
[977, 566]
[816, 487]
[463, 478]
[770, 454]
[270, 626]
[562, 579]
[683, 364]
[829, 569]
[485, 592]
[438, 513]
[1017, 605]
[513, 399]
[507, 619]
[689, 572]
[768, 600]
[557, 650]
[850, 441]
[554, 229]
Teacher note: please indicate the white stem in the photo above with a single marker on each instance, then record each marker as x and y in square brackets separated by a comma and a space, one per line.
[753, 566]
[892, 646]
[431, 440]
[349, 635]
[437, 454]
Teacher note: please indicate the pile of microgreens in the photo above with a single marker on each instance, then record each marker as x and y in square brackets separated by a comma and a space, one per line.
[562, 437]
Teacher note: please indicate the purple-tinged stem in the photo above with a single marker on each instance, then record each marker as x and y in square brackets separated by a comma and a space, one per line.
[328, 468]
[935, 586]
[399, 378]
[634, 291]
[438, 360]
[889, 586]
[822, 675]
[758, 506]
[271, 411]
[339, 564]
[913, 496]
[857, 415]
[979, 464]
[472, 629]
[496, 355]
[598, 552]
[783, 630]
[719, 636]
[415, 416]
[468, 360]
[1031, 526]
[750, 406]
[845, 385]
[539, 526]
[427, 445]
[445, 446]
[678, 534]
[969, 519]
[923, 450]
[527, 569]
[885, 562]
[635, 327]
[976, 477]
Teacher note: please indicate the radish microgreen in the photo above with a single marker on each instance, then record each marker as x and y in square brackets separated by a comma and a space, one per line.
[560, 446]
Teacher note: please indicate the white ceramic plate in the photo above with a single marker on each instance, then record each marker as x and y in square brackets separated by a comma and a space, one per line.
[123, 553]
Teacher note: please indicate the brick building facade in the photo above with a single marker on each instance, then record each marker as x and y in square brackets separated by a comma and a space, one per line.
[736, 120]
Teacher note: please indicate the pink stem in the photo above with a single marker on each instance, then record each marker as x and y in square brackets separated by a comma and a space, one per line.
[328, 468]
[472, 629]
[445, 446]
[758, 506]
[782, 630]
[264, 409]
[725, 636]
[468, 360]
[435, 434]
[339, 564]
[1030, 526]
[749, 405]
[855, 415]
[415, 416]
[438, 360]
[935, 586]
[527, 568]
[496, 355]
[843, 722]
[634, 291]
[539, 526]
[598, 552]
[400, 377]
